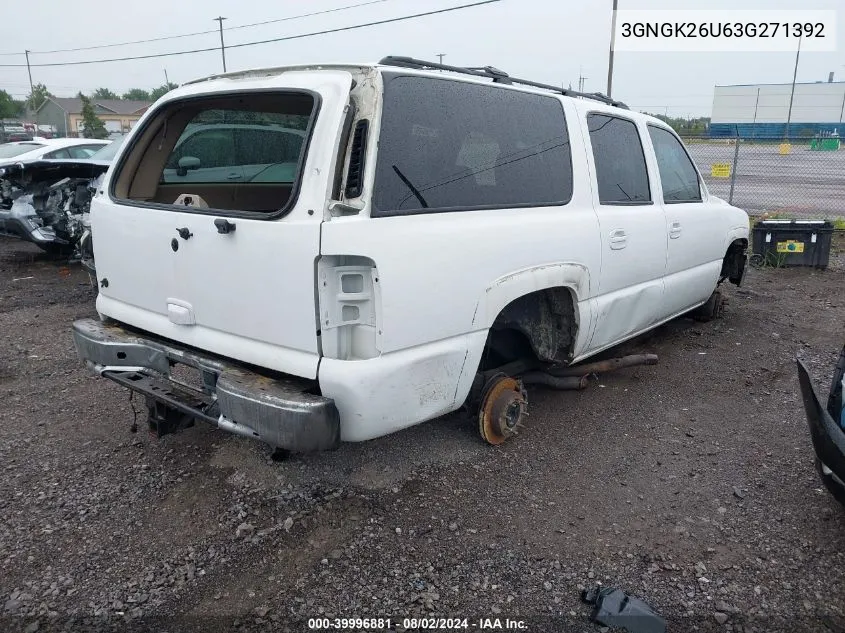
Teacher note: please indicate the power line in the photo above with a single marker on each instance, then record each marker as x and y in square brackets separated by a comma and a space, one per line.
[183, 35]
[269, 41]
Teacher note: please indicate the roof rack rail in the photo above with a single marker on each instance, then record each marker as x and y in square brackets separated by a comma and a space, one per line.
[498, 76]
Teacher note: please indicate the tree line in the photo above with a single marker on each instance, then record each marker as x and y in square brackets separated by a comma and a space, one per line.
[11, 108]
[686, 127]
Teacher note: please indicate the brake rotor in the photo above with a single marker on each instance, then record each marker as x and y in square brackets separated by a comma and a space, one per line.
[503, 407]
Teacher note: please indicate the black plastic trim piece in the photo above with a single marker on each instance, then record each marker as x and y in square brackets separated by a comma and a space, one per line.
[628, 203]
[357, 160]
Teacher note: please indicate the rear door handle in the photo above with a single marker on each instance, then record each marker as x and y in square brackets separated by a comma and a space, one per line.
[618, 239]
[674, 230]
[233, 176]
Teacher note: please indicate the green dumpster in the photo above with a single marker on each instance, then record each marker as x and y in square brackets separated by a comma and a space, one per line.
[830, 144]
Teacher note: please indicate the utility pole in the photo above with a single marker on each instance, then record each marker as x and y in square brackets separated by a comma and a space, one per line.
[219, 20]
[610, 56]
[440, 56]
[166, 78]
[29, 70]
[792, 93]
[842, 109]
[581, 80]
[754, 122]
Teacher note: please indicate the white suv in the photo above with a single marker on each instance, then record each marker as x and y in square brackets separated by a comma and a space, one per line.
[438, 232]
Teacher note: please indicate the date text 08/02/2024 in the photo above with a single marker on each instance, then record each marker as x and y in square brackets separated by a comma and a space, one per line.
[414, 624]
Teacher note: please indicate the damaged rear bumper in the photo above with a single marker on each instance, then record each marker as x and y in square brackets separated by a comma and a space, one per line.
[827, 436]
[279, 411]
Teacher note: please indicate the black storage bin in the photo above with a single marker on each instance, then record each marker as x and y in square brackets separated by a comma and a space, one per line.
[793, 242]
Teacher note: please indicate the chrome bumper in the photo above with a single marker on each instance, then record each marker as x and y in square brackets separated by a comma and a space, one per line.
[279, 412]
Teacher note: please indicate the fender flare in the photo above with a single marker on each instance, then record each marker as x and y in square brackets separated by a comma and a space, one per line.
[734, 234]
[508, 288]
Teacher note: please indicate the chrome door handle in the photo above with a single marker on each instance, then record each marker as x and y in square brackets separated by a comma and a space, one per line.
[618, 239]
[675, 230]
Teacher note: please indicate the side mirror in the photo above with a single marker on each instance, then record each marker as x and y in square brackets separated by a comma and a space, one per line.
[187, 163]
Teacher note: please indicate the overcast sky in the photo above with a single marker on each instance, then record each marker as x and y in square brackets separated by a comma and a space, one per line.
[547, 40]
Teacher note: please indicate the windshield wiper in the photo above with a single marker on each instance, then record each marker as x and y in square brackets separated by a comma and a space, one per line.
[413, 189]
[624, 192]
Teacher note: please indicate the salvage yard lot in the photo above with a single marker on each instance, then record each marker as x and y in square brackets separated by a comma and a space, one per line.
[689, 484]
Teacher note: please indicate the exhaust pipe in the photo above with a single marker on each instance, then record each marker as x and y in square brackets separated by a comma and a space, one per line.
[604, 366]
[564, 383]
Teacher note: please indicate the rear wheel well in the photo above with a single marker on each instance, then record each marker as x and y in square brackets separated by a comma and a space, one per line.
[733, 264]
[540, 326]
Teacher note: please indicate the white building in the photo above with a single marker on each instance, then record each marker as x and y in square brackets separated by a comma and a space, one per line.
[762, 110]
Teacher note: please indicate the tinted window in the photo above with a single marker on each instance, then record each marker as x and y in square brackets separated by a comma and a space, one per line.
[227, 145]
[678, 177]
[83, 151]
[214, 147]
[620, 164]
[449, 145]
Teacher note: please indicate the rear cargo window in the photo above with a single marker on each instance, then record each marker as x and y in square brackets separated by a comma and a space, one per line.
[449, 145]
[225, 153]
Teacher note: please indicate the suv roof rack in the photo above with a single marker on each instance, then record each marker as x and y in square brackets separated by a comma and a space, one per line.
[498, 76]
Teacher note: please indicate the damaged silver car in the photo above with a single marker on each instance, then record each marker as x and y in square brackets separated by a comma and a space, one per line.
[47, 202]
[827, 426]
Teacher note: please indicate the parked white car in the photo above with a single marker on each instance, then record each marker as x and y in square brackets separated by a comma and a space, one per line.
[446, 230]
[43, 148]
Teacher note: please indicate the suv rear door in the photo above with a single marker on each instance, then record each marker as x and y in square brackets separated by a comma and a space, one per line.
[633, 228]
[236, 277]
[697, 227]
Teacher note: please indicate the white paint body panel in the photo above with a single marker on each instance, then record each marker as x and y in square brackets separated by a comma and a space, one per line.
[633, 253]
[438, 280]
[251, 292]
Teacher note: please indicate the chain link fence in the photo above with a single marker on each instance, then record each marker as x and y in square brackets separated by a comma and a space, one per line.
[797, 177]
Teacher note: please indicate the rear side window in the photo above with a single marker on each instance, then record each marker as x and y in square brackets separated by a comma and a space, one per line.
[678, 177]
[620, 163]
[448, 145]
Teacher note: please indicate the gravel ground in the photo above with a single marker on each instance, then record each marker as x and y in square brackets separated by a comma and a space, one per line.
[689, 484]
